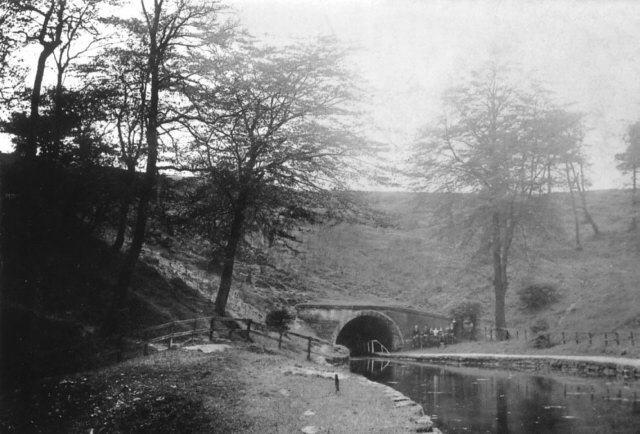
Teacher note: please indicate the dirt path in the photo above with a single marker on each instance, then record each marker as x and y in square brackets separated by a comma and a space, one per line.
[304, 397]
[243, 389]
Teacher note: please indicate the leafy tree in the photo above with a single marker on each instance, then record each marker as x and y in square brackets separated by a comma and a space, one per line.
[629, 162]
[563, 140]
[172, 33]
[488, 145]
[274, 122]
[52, 24]
[11, 73]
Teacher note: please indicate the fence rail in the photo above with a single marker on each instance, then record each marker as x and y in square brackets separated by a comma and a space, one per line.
[608, 338]
[189, 328]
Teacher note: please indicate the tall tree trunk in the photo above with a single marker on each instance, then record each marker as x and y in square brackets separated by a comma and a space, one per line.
[583, 199]
[499, 279]
[574, 208]
[230, 253]
[47, 50]
[34, 114]
[114, 320]
[125, 203]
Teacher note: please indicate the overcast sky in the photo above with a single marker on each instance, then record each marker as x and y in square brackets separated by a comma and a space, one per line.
[411, 50]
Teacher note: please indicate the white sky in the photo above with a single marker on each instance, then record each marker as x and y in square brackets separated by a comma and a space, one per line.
[411, 50]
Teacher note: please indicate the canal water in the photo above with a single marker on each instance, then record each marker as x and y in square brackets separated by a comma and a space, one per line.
[472, 400]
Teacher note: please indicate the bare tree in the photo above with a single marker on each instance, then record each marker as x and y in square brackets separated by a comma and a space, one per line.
[491, 144]
[629, 162]
[276, 120]
[171, 31]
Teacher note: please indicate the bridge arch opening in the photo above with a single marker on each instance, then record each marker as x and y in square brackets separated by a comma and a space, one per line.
[366, 326]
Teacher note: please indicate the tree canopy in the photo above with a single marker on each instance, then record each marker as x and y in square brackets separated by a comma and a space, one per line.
[499, 142]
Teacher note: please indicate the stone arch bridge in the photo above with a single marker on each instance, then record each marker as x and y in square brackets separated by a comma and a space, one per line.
[349, 323]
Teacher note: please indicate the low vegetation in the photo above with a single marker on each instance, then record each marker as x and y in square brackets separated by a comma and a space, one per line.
[536, 296]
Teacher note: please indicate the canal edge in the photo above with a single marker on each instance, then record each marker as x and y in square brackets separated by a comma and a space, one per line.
[422, 422]
[574, 365]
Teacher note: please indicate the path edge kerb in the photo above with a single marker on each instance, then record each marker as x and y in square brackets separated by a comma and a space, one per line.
[593, 366]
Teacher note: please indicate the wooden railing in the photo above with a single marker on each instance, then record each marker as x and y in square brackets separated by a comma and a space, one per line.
[207, 325]
[605, 339]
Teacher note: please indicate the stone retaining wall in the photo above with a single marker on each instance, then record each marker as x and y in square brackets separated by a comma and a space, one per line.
[581, 367]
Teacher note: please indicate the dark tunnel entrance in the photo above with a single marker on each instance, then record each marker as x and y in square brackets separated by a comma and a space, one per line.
[363, 329]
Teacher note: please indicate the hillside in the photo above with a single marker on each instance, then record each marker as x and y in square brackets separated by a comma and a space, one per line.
[57, 285]
[408, 262]
[397, 256]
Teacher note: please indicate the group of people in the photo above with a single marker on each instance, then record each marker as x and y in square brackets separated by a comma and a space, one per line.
[431, 337]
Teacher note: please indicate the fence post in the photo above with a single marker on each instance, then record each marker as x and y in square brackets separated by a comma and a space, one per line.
[617, 338]
[577, 338]
[249, 329]
[517, 335]
[590, 338]
[606, 341]
[213, 320]
[631, 338]
[563, 341]
[309, 350]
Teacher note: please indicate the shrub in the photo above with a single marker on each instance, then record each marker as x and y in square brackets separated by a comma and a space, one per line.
[539, 326]
[467, 310]
[466, 314]
[279, 319]
[537, 296]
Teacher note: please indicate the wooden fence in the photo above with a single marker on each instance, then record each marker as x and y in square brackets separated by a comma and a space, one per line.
[607, 339]
[244, 327]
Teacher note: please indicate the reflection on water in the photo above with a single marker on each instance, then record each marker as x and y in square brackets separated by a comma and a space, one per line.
[470, 400]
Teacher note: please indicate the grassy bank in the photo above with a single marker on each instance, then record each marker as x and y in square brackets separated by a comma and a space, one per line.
[243, 389]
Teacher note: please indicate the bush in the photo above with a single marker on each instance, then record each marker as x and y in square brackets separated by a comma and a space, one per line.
[539, 326]
[279, 319]
[467, 310]
[537, 296]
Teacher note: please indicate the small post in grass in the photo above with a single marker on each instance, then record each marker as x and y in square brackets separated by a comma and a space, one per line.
[213, 320]
[563, 341]
[631, 338]
[617, 338]
[590, 338]
[606, 339]
[577, 338]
